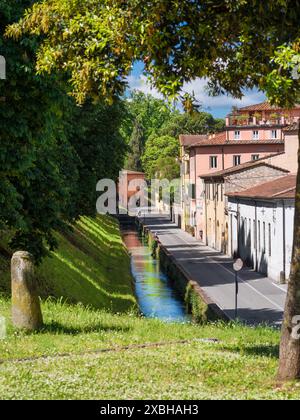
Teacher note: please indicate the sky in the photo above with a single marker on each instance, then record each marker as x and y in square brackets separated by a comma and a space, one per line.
[219, 106]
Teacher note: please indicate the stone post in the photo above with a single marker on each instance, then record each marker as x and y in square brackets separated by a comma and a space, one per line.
[26, 308]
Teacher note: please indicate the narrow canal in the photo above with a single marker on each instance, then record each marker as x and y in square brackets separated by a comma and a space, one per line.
[156, 296]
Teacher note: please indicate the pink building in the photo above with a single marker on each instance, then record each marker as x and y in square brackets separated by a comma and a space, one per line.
[128, 185]
[251, 133]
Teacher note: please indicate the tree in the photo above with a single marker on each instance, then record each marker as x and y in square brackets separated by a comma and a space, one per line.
[191, 123]
[52, 152]
[236, 44]
[35, 192]
[158, 152]
[95, 134]
[151, 112]
[136, 146]
[158, 119]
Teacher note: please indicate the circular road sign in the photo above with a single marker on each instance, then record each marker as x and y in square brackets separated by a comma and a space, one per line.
[238, 265]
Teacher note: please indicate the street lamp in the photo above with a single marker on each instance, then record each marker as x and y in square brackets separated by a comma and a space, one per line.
[237, 266]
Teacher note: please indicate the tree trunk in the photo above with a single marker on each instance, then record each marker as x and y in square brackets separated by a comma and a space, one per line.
[289, 367]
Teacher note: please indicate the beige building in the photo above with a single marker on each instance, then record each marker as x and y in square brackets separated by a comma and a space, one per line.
[218, 184]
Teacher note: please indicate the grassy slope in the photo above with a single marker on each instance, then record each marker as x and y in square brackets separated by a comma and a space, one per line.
[91, 266]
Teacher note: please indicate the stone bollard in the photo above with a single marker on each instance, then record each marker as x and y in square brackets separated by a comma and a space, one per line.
[26, 308]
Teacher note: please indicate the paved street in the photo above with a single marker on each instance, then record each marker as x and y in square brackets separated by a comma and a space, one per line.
[260, 299]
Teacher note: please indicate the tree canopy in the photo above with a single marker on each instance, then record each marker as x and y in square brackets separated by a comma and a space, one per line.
[52, 152]
[230, 42]
[158, 152]
[148, 120]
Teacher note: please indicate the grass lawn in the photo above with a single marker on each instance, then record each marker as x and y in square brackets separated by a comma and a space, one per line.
[81, 352]
[242, 365]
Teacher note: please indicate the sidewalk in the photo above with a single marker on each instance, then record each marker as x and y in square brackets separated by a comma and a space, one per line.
[260, 299]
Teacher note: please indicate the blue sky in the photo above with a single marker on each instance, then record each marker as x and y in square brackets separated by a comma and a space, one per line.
[218, 106]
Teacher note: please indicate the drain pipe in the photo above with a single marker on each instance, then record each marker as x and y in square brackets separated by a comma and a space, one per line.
[256, 242]
[284, 242]
[238, 219]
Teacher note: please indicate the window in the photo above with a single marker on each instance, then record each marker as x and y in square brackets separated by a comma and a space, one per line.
[237, 135]
[193, 191]
[264, 238]
[258, 234]
[274, 134]
[213, 162]
[270, 240]
[254, 235]
[236, 160]
[255, 135]
[254, 157]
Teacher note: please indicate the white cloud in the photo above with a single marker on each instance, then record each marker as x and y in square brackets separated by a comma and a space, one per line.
[213, 104]
[142, 84]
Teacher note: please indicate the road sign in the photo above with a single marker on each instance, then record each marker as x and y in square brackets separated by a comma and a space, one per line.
[238, 265]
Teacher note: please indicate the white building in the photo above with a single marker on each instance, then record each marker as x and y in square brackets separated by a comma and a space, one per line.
[261, 225]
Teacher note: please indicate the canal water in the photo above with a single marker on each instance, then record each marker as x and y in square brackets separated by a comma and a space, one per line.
[156, 296]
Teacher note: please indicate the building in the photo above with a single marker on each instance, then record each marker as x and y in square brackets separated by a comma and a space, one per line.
[217, 185]
[263, 115]
[205, 155]
[251, 133]
[129, 184]
[261, 225]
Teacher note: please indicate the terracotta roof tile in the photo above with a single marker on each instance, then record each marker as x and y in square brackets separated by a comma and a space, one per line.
[243, 167]
[127, 171]
[283, 187]
[292, 127]
[220, 139]
[263, 106]
[188, 139]
[216, 142]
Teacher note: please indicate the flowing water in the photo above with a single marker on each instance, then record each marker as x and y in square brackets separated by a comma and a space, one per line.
[156, 296]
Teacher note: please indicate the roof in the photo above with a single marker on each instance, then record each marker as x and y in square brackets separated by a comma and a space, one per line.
[292, 127]
[187, 140]
[283, 188]
[243, 167]
[263, 106]
[126, 171]
[220, 139]
[216, 142]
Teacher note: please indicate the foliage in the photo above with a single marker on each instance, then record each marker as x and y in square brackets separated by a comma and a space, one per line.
[158, 151]
[229, 42]
[34, 153]
[95, 134]
[136, 146]
[191, 123]
[151, 119]
[151, 113]
[52, 152]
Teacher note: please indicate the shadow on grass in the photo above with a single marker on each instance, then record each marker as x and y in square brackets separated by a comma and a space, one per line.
[271, 351]
[60, 329]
